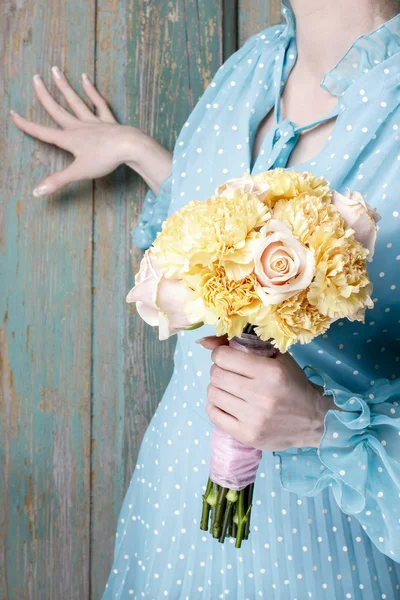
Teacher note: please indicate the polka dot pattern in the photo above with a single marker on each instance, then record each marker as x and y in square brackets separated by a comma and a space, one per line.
[325, 521]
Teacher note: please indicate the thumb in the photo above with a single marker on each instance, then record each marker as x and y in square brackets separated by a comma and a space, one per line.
[212, 341]
[56, 181]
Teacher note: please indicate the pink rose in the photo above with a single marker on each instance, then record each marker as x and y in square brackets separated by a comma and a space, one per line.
[359, 216]
[245, 184]
[159, 301]
[283, 266]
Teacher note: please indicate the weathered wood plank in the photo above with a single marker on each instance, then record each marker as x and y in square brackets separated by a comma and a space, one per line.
[230, 27]
[45, 326]
[154, 60]
[257, 15]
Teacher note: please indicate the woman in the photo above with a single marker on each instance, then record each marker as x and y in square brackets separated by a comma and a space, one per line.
[326, 518]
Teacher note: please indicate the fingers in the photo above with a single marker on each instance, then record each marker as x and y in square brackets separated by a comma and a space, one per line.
[229, 381]
[234, 406]
[41, 132]
[56, 181]
[99, 102]
[74, 101]
[224, 421]
[212, 341]
[237, 361]
[55, 110]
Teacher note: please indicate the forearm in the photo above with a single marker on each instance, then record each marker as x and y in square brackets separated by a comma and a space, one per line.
[147, 157]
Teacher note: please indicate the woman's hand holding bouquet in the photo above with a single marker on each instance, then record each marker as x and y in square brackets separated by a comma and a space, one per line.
[270, 260]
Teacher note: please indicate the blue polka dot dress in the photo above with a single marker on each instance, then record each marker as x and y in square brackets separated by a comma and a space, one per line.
[325, 521]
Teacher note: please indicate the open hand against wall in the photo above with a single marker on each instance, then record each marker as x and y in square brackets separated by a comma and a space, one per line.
[96, 140]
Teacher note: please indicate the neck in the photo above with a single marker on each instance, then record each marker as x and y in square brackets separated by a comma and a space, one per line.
[325, 29]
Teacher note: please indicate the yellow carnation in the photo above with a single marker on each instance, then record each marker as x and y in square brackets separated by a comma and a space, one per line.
[306, 215]
[219, 229]
[294, 320]
[341, 286]
[285, 185]
[211, 246]
[215, 296]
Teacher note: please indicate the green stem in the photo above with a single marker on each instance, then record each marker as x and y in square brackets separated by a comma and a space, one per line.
[205, 513]
[234, 521]
[212, 500]
[229, 528]
[240, 515]
[250, 490]
[227, 521]
[248, 328]
[219, 511]
[242, 518]
[231, 498]
[213, 495]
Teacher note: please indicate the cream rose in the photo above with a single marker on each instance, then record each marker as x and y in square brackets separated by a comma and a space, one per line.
[159, 301]
[283, 266]
[245, 184]
[359, 216]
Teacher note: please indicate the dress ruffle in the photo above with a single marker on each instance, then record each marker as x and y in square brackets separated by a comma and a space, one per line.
[366, 52]
[154, 212]
[357, 456]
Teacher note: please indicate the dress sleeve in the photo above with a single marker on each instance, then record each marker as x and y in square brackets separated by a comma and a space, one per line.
[155, 207]
[358, 456]
[154, 212]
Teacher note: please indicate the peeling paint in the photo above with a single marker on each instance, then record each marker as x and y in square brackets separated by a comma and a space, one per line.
[78, 388]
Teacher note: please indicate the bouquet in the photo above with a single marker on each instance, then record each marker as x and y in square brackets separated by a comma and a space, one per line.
[271, 260]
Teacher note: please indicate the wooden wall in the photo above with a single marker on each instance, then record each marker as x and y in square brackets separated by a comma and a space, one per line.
[77, 367]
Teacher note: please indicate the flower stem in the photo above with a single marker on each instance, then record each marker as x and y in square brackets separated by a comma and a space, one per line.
[242, 518]
[230, 522]
[219, 511]
[227, 521]
[205, 513]
[230, 512]
[234, 520]
[212, 500]
[250, 490]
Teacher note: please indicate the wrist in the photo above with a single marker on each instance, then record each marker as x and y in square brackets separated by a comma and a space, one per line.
[146, 156]
[131, 143]
[322, 405]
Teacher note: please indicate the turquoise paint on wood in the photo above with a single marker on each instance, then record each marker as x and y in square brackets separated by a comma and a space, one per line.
[45, 331]
[230, 27]
[256, 15]
[80, 373]
[154, 61]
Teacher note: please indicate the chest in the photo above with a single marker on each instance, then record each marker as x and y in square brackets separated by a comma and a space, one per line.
[310, 142]
[301, 108]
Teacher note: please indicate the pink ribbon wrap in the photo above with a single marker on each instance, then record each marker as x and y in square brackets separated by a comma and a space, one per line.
[234, 465]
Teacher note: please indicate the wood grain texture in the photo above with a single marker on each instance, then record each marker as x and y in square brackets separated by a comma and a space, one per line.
[230, 25]
[45, 327]
[80, 374]
[154, 60]
[256, 15]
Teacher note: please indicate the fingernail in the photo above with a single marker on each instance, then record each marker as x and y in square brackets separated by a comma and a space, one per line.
[56, 71]
[39, 191]
[15, 114]
[37, 78]
[200, 340]
[85, 78]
